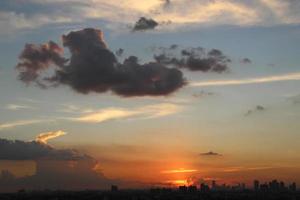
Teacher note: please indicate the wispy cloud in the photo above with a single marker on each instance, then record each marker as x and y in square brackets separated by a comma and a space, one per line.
[70, 108]
[254, 168]
[14, 124]
[29, 100]
[152, 111]
[44, 137]
[180, 12]
[17, 107]
[176, 171]
[266, 79]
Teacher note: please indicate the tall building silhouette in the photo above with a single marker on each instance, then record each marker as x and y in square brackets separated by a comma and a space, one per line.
[213, 184]
[256, 185]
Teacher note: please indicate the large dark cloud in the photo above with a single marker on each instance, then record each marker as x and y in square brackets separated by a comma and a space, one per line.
[144, 24]
[20, 150]
[194, 59]
[94, 68]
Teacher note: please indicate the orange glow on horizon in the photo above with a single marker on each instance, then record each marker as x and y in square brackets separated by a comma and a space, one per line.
[178, 182]
[180, 170]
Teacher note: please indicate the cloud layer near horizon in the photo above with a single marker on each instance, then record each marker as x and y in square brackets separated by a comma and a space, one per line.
[20, 150]
[55, 168]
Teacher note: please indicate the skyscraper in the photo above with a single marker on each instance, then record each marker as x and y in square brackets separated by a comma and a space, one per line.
[256, 185]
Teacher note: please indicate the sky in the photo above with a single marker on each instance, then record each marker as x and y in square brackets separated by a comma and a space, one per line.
[147, 93]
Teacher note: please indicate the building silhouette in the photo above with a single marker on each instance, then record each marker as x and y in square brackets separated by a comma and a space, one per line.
[256, 185]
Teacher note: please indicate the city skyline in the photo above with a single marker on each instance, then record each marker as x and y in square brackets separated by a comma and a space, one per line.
[159, 92]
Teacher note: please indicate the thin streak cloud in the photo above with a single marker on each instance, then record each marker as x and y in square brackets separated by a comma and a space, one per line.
[20, 123]
[144, 112]
[17, 107]
[238, 169]
[181, 170]
[267, 79]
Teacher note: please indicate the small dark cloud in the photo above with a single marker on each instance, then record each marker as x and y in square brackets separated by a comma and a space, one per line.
[194, 59]
[246, 61]
[120, 52]
[144, 24]
[210, 153]
[174, 46]
[258, 108]
[94, 68]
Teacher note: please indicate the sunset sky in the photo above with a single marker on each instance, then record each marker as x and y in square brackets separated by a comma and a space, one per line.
[154, 92]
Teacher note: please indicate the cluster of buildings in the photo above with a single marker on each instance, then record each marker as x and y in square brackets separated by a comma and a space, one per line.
[273, 185]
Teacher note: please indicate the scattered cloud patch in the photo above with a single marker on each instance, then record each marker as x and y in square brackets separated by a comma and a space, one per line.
[258, 108]
[194, 59]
